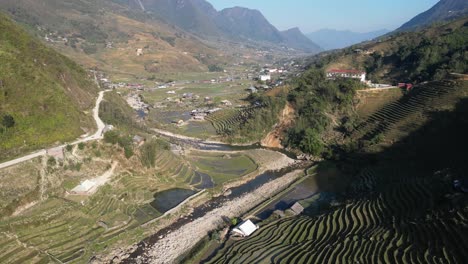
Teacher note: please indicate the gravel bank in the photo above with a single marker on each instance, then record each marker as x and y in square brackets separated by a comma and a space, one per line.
[180, 241]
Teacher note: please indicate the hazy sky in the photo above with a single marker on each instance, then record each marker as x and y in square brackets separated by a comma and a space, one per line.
[355, 15]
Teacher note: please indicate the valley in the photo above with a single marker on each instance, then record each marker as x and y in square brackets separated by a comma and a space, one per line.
[177, 132]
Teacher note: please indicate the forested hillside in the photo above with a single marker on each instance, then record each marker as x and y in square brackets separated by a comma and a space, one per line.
[403, 163]
[324, 108]
[428, 54]
[44, 96]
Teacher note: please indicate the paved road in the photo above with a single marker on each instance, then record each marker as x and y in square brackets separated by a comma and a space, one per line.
[98, 135]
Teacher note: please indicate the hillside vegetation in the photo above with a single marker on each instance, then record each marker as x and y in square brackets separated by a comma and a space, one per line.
[44, 96]
[325, 109]
[107, 35]
[400, 208]
[429, 54]
[404, 160]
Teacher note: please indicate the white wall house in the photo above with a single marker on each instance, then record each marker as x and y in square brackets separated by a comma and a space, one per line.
[354, 74]
[245, 229]
[265, 77]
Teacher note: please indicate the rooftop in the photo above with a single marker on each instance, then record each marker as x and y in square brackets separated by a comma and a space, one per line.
[345, 71]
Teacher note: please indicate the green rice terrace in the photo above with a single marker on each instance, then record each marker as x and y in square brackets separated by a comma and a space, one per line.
[404, 115]
[227, 121]
[402, 204]
[45, 221]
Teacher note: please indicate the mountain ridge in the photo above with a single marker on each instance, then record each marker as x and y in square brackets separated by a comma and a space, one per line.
[442, 11]
[237, 23]
[330, 39]
[297, 39]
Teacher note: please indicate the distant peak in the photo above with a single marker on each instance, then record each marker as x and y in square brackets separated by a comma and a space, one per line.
[294, 29]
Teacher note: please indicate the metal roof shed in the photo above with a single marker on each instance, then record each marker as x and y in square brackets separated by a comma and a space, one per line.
[245, 228]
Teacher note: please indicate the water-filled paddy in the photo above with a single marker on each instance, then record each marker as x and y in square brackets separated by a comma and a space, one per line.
[168, 199]
[222, 168]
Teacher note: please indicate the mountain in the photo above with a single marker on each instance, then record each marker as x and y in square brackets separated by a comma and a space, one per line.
[294, 38]
[444, 10]
[106, 34]
[248, 24]
[192, 15]
[44, 96]
[236, 23]
[330, 39]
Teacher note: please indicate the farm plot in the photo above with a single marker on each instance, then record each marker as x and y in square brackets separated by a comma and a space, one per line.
[408, 112]
[402, 207]
[391, 226]
[227, 121]
[72, 228]
[222, 168]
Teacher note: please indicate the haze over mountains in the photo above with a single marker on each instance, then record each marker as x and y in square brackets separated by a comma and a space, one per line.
[330, 39]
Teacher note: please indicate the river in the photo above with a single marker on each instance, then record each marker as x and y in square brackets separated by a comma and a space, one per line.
[216, 202]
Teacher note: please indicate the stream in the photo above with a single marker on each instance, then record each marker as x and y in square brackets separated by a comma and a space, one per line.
[205, 208]
[215, 202]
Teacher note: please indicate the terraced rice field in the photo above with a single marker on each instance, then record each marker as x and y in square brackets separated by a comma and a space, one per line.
[221, 168]
[227, 121]
[400, 208]
[389, 226]
[406, 113]
[71, 229]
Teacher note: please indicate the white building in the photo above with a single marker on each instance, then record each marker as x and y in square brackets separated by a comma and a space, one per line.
[265, 77]
[245, 229]
[354, 74]
[139, 52]
[84, 188]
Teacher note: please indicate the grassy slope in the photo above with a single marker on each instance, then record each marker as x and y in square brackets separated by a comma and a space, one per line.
[45, 92]
[89, 25]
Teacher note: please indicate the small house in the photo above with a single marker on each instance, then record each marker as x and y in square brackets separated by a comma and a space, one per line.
[139, 52]
[265, 77]
[245, 229]
[107, 128]
[187, 95]
[226, 103]
[297, 208]
[137, 140]
[252, 89]
[84, 188]
[178, 122]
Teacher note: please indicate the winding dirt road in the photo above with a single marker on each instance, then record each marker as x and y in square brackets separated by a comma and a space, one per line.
[98, 135]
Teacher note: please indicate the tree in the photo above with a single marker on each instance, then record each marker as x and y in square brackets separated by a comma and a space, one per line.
[69, 147]
[215, 68]
[8, 121]
[311, 142]
[128, 151]
[111, 137]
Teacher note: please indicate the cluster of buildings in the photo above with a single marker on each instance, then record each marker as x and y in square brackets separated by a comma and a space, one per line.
[352, 74]
[200, 114]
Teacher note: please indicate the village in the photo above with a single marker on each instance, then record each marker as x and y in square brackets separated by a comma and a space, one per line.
[186, 103]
